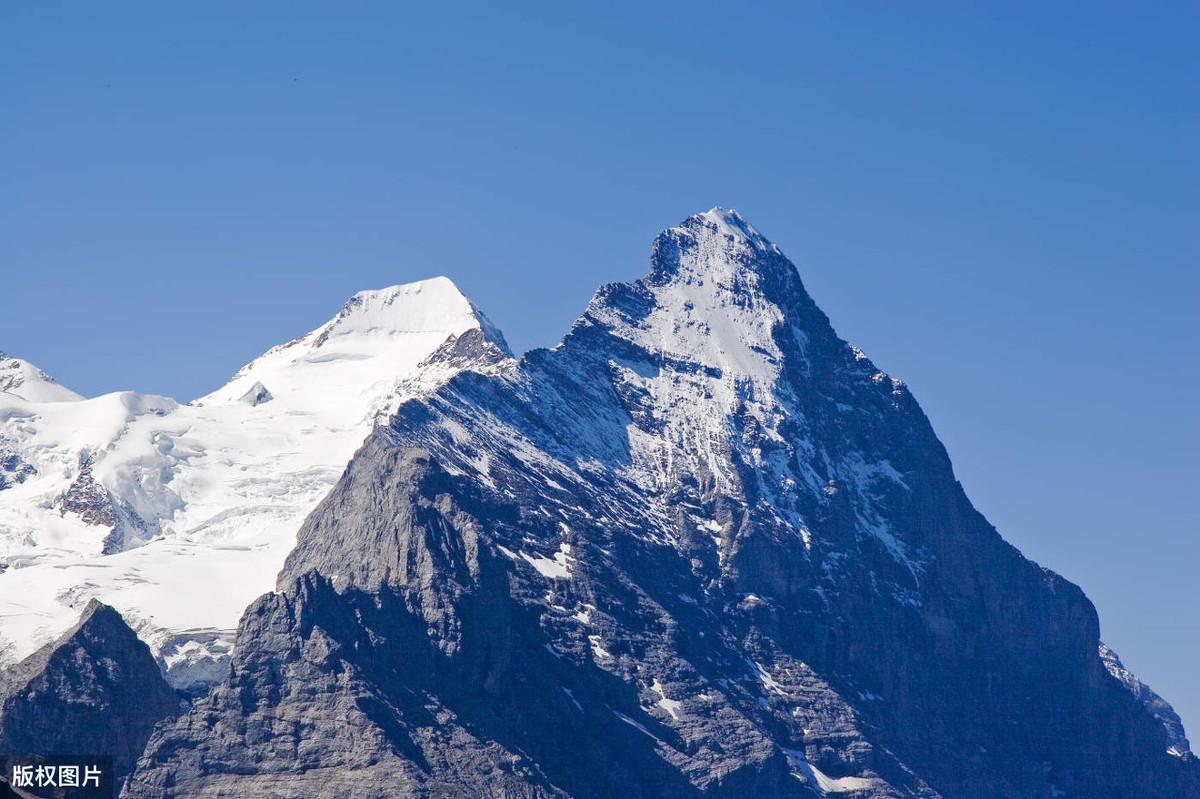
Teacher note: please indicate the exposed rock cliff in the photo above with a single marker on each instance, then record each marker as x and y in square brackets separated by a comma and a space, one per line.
[94, 691]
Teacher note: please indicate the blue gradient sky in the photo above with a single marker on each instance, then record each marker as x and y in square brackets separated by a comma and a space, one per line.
[999, 205]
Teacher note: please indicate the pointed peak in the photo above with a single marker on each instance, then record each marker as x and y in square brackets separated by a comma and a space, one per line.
[719, 241]
[99, 617]
[377, 336]
[437, 287]
[26, 381]
[433, 305]
[729, 222]
[719, 296]
[728, 226]
[93, 607]
[256, 395]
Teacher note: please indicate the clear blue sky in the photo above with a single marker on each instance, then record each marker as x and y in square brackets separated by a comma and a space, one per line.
[1000, 205]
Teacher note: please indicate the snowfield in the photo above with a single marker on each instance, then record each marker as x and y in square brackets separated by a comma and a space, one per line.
[185, 513]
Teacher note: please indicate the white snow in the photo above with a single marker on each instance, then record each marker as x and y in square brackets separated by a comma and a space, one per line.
[25, 381]
[556, 568]
[764, 677]
[222, 483]
[598, 649]
[808, 773]
[672, 706]
[584, 614]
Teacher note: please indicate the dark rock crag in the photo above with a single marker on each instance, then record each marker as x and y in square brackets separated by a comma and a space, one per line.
[96, 690]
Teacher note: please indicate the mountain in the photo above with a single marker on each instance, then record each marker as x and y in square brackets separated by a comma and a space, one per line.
[180, 515]
[22, 379]
[701, 548]
[96, 689]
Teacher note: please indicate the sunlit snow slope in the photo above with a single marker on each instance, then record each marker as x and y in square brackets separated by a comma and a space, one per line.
[28, 382]
[180, 515]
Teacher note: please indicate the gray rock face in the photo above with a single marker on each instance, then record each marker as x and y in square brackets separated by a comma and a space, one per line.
[1157, 706]
[86, 498]
[257, 394]
[13, 469]
[96, 505]
[702, 548]
[94, 691]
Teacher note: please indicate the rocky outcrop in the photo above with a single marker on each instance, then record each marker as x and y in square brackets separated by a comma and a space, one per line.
[257, 394]
[95, 505]
[702, 548]
[1158, 707]
[13, 469]
[86, 498]
[94, 691]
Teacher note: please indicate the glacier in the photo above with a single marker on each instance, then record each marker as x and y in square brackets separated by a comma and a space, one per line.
[186, 512]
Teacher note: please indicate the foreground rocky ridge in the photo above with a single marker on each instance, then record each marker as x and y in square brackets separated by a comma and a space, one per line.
[701, 548]
[94, 691]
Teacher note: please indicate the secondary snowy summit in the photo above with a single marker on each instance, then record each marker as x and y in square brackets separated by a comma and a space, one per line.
[180, 515]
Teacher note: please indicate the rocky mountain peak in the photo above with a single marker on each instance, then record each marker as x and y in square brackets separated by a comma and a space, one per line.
[95, 689]
[720, 295]
[720, 357]
[718, 245]
[729, 225]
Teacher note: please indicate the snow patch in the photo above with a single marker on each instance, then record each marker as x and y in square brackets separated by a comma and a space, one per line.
[555, 568]
[808, 773]
[672, 706]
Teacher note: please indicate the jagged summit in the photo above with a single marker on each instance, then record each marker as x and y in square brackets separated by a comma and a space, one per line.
[730, 224]
[720, 334]
[717, 291]
[22, 379]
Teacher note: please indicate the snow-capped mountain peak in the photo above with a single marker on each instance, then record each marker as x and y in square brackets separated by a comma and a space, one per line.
[430, 305]
[717, 336]
[175, 497]
[376, 337]
[23, 379]
[730, 224]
